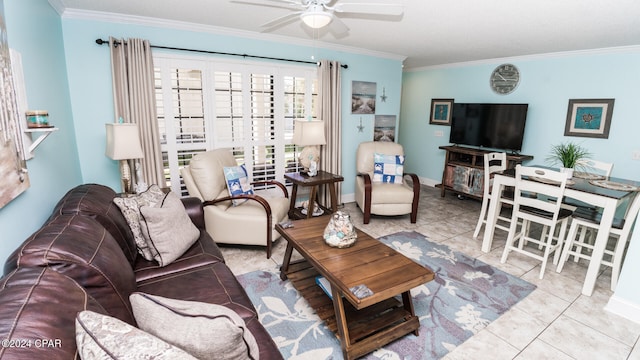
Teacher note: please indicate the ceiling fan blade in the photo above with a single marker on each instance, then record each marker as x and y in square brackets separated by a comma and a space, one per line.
[290, 2]
[282, 20]
[369, 8]
[338, 27]
[290, 5]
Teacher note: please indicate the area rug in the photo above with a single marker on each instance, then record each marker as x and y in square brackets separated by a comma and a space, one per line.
[465, 296]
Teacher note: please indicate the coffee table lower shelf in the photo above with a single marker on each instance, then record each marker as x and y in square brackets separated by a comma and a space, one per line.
[369, 328]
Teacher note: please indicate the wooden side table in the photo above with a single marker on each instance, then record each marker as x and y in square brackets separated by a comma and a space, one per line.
[323, 178]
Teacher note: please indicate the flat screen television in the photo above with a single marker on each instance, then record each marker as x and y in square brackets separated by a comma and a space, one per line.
[496, 126]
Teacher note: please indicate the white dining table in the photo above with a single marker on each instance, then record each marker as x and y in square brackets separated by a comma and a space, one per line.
[579, 189]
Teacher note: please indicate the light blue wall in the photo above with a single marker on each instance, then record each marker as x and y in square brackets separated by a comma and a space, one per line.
[547, 85]
[88, 66]
[34, 29]
[548, 82]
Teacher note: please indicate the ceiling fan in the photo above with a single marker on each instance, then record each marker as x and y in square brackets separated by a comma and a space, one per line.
[319, 13]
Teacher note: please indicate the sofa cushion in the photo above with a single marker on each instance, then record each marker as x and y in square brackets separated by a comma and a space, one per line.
[237, 182]
[79, 247]
[39, 303]
[104, 337]
[207, 331]
[213, 284]
[382, 193]
[388, 168]
[96, 201]
[203, 252]
[130, 207]
[167, 229]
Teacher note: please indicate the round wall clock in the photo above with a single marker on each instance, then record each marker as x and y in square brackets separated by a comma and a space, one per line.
[504, 79]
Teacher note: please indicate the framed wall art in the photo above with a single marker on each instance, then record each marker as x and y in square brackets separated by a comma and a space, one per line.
[441, 111]
[363, 97]
[589, 118]
[384, 128]
[14, 178]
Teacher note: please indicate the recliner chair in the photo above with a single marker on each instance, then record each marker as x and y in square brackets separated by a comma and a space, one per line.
[374, 196]
[251, 222]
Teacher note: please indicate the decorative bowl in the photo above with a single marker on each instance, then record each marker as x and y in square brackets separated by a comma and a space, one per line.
[340, 231]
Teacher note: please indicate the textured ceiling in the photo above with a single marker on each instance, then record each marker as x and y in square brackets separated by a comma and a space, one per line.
[428, 33]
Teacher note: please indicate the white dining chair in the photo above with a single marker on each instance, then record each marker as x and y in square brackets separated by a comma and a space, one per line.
[495, 162]
[578, 246]
[594, 167]
[544, 209]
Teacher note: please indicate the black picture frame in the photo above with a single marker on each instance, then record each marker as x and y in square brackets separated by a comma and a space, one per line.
[441, 112]
[589, 118]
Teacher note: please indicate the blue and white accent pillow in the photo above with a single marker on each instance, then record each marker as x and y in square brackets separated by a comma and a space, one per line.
[388, 168]
[237, 182]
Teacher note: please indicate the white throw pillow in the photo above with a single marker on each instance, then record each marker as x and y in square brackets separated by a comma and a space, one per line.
[168, 229]
[388, 168]
[130, 208]
[208, 331]
[104, 337]
[237, 182]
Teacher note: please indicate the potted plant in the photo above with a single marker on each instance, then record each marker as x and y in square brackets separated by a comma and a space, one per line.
[567, 156]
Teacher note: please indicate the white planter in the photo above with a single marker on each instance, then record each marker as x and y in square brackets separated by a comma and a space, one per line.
[568, 171]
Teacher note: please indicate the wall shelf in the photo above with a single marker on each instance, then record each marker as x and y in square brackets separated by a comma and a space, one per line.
[40, 133]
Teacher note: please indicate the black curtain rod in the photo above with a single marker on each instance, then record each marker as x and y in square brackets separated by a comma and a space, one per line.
[345, 66]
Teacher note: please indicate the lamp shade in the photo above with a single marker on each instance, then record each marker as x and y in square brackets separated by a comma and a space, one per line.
[315, 17]
[123, 141]
[308, 133]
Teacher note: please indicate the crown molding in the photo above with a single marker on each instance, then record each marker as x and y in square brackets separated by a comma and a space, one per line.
[57, 5]
[554, 55]
[187, 26]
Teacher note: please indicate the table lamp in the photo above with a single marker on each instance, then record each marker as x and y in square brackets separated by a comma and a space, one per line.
[310, 134]
[123, 144]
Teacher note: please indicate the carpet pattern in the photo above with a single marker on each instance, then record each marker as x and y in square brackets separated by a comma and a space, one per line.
[465, 296]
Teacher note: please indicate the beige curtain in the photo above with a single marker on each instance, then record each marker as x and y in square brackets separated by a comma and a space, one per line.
[330, 110]
[134, 100]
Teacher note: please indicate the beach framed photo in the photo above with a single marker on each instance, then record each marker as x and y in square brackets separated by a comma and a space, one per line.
[363, 97]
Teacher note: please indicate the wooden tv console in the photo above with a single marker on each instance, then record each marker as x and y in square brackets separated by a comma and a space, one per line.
[464, 169]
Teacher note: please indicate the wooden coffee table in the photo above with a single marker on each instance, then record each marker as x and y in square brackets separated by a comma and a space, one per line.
[362, 325]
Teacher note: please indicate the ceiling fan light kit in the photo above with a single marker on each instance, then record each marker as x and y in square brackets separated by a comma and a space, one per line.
[315, 17]
[317, 14]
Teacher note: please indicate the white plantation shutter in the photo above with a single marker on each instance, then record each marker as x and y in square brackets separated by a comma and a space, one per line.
[297, 105]
[206, 104]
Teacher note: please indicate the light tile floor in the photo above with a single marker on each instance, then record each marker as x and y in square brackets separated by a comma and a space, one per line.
[554, 322]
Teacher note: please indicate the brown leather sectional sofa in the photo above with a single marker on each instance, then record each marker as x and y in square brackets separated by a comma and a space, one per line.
[84, 258]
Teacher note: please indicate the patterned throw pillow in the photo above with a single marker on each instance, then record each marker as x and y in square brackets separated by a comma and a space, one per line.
[103, 337]
[207, 331]
[237, 182]
[130, 208]
[388, 168]
[168, 229]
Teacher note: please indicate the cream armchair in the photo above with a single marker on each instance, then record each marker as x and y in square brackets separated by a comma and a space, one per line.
[251, 222]
[382, 198]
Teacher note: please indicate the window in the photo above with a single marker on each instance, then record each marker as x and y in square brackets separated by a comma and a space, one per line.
[206, 104]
